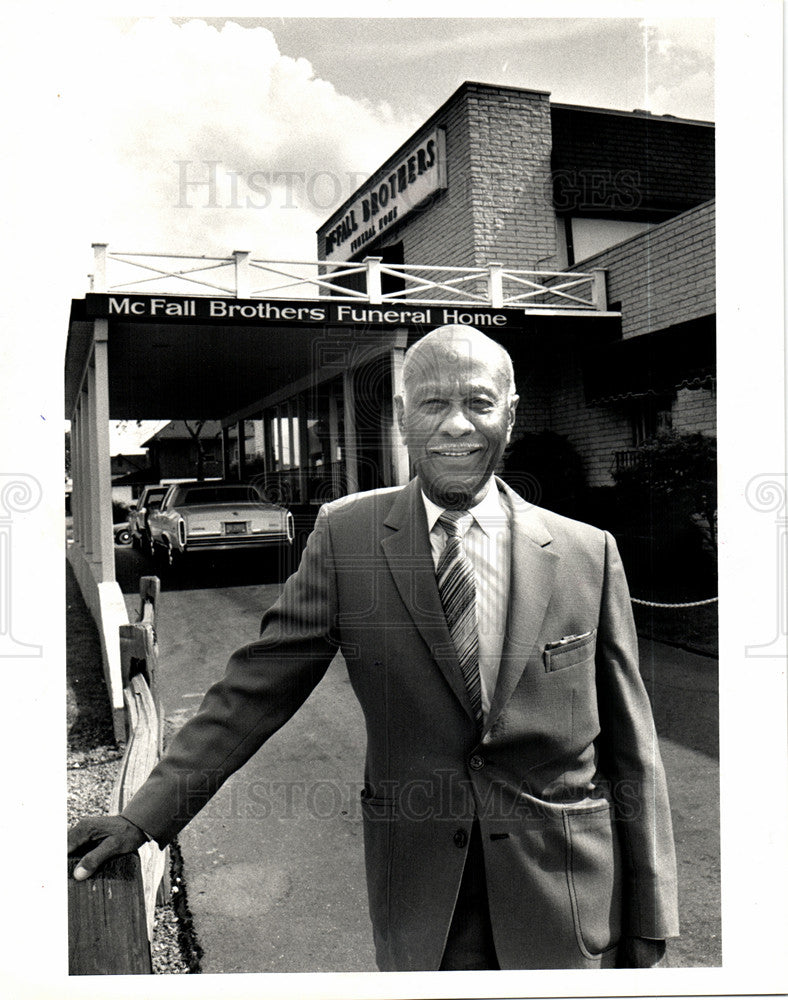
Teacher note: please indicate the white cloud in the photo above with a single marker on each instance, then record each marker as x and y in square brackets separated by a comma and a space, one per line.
[142, 98]
[680, 66]
[685, 33]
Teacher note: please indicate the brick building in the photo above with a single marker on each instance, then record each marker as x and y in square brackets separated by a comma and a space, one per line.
[532, 184]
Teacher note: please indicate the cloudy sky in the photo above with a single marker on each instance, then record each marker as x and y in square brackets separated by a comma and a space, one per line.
[284, 117]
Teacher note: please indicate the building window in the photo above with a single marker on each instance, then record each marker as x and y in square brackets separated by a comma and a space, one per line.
[650, 416]
[301, 444]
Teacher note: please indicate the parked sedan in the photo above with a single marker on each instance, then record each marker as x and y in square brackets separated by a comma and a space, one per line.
[198, 517]
[150, 499]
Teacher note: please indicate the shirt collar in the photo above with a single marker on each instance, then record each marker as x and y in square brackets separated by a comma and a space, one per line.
[487, 513]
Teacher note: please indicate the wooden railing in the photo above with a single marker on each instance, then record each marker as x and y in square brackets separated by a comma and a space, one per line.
[110, 916]
[626, 459]
[242, 276]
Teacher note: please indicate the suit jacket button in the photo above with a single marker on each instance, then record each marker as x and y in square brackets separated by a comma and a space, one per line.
[476, 762]
[460, 838]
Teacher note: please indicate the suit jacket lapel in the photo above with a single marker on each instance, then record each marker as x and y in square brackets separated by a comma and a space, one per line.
[409, 556]
[533, 568]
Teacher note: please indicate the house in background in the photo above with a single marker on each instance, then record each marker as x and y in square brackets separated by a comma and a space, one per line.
[186, 449]
[130, 472]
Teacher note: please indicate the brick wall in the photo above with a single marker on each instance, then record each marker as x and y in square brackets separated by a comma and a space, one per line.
[552, 398]
[630, 163]
[504, 146]
[696, 410]
[497, 206]
[511, 139]
[665, 275]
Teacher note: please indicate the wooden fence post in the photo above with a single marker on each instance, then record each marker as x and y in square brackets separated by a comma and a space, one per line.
[107, 932]
[111, 914]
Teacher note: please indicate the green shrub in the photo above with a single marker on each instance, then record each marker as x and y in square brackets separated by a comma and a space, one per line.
[674, 481]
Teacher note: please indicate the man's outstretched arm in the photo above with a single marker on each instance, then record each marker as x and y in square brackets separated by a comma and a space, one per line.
[265, 683]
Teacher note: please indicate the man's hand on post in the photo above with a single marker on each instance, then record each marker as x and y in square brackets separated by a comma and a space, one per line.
[112, 835]
[640, 953]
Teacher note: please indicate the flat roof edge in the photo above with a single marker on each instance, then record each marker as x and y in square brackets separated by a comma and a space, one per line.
[666, 119]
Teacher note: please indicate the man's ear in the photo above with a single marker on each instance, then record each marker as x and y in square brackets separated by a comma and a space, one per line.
[399, 410]
[514, 399]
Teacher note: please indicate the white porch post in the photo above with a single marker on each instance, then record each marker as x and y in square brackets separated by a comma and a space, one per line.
[239, 430]
[99, 283]
[225, 453]
[93, 477]
[75, 480]
[599, 288]
[87, 492]
[104, 546]
[374, 284]
[92, 556]
[242, 274]
[495, 284]
[400, 463]
[84, 488]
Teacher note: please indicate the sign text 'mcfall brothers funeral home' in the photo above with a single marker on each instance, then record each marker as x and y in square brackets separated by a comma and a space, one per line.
[145, 308]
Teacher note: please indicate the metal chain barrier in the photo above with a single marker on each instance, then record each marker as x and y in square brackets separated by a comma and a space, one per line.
[686, 604]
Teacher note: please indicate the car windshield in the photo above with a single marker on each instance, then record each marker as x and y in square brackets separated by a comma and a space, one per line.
[218, 494]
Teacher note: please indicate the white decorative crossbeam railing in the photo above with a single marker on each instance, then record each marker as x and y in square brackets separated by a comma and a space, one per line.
[372, 281]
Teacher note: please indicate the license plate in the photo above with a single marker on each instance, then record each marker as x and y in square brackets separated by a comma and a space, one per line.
[235, 527]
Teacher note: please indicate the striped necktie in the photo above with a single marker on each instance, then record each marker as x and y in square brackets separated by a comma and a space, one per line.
[457, 589]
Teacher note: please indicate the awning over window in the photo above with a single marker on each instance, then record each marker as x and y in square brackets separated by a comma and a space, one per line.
[681, 356]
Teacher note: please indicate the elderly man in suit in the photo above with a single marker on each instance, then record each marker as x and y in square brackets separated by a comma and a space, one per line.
[514, 805]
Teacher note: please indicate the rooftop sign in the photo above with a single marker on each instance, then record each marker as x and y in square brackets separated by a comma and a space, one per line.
[388, 197]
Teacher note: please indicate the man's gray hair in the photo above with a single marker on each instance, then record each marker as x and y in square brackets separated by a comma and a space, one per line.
[455, 335]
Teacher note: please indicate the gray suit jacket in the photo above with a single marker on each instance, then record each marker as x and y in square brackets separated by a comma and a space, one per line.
[566, 779]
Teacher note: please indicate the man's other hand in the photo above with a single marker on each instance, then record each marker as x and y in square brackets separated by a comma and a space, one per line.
[111, 835]
[640, 953]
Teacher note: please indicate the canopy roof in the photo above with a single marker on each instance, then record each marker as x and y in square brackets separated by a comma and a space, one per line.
[182, 368]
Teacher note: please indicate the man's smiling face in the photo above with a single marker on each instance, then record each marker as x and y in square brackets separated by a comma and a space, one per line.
[456, 413]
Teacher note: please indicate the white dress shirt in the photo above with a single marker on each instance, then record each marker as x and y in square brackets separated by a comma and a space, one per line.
[486, 538]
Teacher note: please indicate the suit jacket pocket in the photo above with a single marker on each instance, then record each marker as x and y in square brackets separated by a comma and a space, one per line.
[595, 878]
[568, 652]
